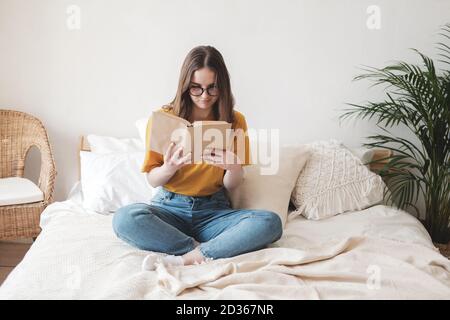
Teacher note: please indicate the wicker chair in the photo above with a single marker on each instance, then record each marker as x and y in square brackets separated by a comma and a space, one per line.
[18, 132]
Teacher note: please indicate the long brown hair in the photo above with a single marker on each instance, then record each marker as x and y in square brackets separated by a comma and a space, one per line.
[198, 58]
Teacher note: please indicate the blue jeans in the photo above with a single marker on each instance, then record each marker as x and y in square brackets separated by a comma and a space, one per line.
[172, 221]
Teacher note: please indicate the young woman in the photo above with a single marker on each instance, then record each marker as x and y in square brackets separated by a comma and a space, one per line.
[190, 218]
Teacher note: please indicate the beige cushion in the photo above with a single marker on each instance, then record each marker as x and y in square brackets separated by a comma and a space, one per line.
[334, 181]
[272, 191]
[16, 190]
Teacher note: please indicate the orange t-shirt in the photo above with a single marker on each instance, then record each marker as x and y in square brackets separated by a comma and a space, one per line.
[197, 179]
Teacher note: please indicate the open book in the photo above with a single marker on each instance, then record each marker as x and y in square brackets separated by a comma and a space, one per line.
[193, 137]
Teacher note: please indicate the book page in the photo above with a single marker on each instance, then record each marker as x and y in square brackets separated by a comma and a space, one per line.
[169, 116]
[218, 136]
[167, 128]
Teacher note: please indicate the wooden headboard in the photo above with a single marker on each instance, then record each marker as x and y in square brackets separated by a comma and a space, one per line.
[375, 167]
[84, 144]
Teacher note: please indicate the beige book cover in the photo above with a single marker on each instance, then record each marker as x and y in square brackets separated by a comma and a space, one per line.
[193, 137]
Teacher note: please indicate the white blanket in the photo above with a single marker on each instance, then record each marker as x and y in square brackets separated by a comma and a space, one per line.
[377, 253]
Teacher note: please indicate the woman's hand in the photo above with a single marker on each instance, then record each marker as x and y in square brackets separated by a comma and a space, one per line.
[173, 160]
[224, 159]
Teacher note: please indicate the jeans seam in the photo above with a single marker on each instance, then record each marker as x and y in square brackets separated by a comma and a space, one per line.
[204, 253]
[251, 216]
[202, 250]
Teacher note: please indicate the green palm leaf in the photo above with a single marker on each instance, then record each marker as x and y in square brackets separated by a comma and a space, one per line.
[418, 99]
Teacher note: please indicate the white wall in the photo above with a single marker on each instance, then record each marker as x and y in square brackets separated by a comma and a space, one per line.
[291, 61]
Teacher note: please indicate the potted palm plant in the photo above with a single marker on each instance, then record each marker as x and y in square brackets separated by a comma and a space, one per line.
[417, 97]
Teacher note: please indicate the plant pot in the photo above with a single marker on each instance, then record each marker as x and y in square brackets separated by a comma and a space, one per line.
[444, 249]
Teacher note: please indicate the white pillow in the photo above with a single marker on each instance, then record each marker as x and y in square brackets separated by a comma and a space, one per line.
[110, 181]
[334, 181]
[105, 145]
[271, 192]
[141, 125]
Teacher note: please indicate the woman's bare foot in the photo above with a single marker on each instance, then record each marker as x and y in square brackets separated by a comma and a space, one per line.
[194, 256]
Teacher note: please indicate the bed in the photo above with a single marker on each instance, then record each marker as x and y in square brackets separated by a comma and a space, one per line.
[376, 253]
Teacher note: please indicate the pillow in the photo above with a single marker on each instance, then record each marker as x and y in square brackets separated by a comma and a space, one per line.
[365, 155]
[141, 125]
[105, 145]
[334, 181]
[271, 192]
[362, 153]
[110, 181]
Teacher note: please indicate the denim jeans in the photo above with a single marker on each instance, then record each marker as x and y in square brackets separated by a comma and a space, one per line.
[172, 221]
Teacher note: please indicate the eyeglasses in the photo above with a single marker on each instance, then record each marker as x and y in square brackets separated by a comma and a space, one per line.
[198, 91]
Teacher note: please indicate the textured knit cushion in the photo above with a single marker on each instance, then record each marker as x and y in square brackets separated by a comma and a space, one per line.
[15, 190]
[334, 181]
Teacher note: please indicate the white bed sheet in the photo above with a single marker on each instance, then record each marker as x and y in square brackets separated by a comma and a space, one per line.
[377, 253]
